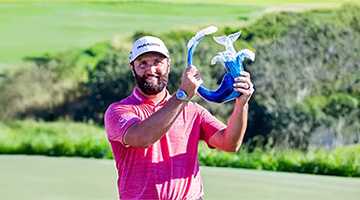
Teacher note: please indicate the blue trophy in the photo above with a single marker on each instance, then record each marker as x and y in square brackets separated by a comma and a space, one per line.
[230, 59]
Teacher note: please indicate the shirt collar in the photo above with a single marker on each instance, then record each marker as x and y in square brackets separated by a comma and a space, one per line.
[144, 100]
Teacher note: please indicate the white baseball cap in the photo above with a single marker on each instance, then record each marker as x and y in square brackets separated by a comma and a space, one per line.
[148, 44]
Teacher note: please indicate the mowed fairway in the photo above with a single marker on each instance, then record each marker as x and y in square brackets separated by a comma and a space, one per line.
[39, 177]
[32, 28]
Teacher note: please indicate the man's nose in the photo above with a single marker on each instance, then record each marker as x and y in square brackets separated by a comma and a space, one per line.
[150, 68]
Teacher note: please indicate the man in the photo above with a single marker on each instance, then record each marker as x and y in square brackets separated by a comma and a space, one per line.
[154, 136]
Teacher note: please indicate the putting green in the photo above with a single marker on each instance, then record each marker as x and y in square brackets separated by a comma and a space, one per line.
[40, 177]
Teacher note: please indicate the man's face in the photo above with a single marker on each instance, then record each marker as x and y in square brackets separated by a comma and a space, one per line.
[151, 71]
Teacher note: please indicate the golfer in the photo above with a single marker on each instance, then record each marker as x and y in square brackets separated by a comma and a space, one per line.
[154, 135]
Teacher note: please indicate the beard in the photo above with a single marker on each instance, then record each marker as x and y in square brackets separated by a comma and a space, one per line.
[152, 88]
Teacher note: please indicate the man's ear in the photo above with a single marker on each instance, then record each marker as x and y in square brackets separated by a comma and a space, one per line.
[132, 69]
[169, 64]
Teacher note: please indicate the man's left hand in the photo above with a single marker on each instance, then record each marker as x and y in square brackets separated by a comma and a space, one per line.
[245, 86]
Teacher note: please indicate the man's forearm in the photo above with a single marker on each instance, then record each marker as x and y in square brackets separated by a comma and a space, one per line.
[230, 138]
[235, 131]
[145, 133]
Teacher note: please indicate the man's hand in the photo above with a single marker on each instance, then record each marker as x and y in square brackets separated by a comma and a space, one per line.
[191, 81]
[230, 139]
[245, 86]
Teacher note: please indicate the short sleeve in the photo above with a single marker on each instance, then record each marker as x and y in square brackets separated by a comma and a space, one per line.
[209, 126]
[118, 119]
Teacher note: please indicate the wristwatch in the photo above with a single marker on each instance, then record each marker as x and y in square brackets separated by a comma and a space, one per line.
[181, 94]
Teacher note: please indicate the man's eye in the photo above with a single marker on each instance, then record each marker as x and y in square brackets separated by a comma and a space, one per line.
[160, 62]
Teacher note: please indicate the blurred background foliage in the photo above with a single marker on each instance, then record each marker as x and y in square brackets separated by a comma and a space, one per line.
[306, 75]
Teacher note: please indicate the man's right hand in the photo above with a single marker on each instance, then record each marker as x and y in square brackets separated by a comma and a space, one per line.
[191, 81]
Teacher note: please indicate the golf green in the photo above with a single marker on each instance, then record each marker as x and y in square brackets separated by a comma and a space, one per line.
[40, 177]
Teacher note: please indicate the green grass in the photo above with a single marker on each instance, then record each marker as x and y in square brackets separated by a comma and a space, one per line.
[42, 177]
[30, 29]
[198, 1]
[267, 2]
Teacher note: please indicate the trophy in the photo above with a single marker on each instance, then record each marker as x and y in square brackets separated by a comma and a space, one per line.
[230, 59]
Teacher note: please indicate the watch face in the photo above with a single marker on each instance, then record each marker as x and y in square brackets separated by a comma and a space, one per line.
[181, 95]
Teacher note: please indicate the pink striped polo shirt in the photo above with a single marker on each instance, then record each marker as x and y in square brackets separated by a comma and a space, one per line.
[169, 169]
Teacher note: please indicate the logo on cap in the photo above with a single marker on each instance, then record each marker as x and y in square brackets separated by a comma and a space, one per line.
[148, 44]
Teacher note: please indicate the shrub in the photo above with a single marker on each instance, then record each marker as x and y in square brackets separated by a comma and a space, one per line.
[53, 139]
[343, 161]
